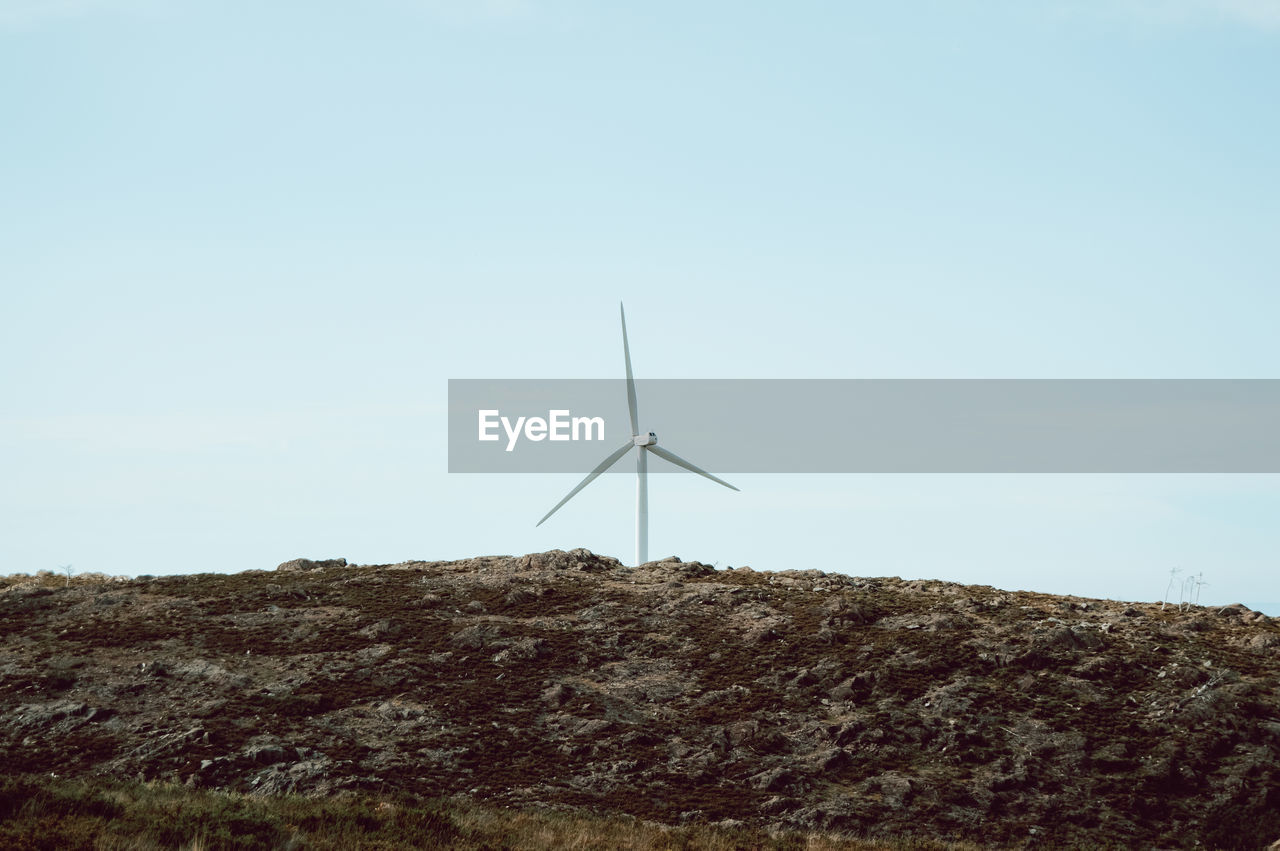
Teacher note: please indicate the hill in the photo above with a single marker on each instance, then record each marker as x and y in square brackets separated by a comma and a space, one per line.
[674, 692]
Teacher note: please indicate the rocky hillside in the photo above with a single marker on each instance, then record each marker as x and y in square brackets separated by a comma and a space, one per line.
[674, 692]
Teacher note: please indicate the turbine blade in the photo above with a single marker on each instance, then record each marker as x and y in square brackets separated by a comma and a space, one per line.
[680, 462]
[604, 465]
[631, 381]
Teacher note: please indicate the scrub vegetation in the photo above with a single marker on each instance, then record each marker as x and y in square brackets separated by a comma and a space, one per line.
[676, 701]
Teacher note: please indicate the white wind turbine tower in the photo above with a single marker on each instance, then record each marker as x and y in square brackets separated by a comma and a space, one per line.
[643, 444]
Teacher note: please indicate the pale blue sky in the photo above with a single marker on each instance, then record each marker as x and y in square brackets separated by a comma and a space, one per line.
[244, 246]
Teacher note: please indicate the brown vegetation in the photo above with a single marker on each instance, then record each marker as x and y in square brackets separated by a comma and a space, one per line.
[66, 815]
[674, 693]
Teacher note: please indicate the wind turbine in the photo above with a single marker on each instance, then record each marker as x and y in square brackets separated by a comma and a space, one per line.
[643, 444]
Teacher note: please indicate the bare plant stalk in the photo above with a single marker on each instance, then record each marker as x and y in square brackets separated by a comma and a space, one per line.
[1173, 571]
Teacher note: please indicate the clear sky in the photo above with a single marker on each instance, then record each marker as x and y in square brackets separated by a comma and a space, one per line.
[243, 247]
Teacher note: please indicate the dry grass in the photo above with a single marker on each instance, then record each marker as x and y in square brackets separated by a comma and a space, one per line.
[58, 579]
[543, 831]
[49, 813]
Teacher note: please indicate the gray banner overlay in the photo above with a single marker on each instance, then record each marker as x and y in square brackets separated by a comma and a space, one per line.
[873, 425]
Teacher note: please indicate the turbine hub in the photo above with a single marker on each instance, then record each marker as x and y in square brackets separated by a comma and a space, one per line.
[645, 439]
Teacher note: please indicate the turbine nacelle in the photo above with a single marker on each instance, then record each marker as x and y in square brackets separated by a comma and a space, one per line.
[645, 439]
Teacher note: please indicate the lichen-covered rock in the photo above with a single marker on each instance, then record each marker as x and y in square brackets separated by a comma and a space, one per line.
[307, 564]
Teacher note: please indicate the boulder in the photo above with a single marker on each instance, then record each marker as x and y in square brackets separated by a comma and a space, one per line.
[298, 564]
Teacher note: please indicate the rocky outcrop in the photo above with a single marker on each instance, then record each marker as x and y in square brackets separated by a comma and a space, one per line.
[674, 692]
[308, 564]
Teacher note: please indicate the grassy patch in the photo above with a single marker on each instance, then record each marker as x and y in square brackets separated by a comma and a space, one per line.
[67, 815]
